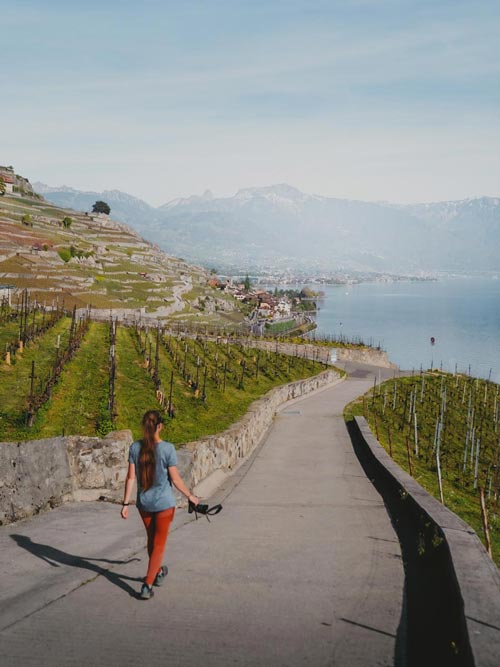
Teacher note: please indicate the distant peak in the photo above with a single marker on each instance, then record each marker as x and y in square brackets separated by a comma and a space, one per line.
[282, 190]
[186, 201]
[44, 188]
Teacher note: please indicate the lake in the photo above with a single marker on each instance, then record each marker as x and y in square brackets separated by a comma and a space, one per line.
[463, 315]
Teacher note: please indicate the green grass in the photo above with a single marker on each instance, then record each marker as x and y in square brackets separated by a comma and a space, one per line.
[9, 333]
[9, 330]
[78, 404]
[135, 392]
[79, 401]
[15, 381]
[195, 418]
[393, 430]
[280, 327]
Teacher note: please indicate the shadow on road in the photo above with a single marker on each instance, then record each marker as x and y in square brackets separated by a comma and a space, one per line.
[55, 557]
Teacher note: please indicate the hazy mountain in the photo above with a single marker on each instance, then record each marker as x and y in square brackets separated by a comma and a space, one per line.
[124, 207]
[280, 225]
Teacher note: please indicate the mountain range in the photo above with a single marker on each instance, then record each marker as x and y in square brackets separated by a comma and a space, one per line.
[279, 226]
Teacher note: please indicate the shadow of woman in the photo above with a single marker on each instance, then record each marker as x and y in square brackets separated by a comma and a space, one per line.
[56, 558]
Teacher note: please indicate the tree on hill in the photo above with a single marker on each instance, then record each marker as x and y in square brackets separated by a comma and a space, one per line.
[247, 283]
[67, 222]
[101, 207]
[2, 187]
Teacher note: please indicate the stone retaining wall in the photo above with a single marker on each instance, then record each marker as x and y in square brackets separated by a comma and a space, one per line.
[324, 353]
[223, 451]
[474, 579]
[41, 474]
[364, 356]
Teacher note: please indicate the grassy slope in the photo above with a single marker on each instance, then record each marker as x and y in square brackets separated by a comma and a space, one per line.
[78, 403]
[459, 494]
[15, 382]
[135, 392]
[111, 279]
[80, 399]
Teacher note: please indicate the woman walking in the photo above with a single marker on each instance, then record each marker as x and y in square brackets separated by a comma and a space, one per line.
[153, 462]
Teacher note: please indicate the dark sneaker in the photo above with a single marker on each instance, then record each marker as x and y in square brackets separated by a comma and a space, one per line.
[147, 592]
[160, 577]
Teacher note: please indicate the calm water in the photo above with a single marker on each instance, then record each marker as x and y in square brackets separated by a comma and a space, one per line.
[463, 315]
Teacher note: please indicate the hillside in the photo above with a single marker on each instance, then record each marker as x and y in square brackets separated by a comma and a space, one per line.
[280, 226]
[87, 259]
[443, 430]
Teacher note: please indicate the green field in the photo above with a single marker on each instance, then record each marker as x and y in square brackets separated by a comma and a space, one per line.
[213, 384]
[456, 435]
[15, 382]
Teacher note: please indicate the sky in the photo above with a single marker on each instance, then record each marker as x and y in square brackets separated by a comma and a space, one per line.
[394, 100]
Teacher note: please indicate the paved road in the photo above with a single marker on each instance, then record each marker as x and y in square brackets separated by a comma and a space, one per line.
[301, 567]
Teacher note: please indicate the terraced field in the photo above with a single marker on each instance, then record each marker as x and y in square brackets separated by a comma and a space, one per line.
[201, 386]
[95, 261]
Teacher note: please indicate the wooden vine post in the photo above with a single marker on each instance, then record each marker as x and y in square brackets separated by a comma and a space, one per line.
[197, 381]
[204, 390]
[112, 370]
[156, 376]
[408, 452]
[31, 412]
[240, 383]
[170, 410]
[484, 516]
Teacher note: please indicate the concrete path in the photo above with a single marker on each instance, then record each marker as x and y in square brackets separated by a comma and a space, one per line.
[301, 567]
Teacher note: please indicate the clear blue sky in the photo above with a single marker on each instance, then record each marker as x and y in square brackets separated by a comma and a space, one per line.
[368, 99]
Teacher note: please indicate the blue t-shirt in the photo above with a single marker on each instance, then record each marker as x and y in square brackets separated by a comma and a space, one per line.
[160, 496]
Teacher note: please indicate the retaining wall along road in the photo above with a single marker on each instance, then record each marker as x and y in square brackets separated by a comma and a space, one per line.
[223, 451]
[444, 557]
[324, 353]
[364, 356]
[40, 474]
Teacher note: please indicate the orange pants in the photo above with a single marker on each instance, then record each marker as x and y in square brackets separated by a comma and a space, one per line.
[157, 526]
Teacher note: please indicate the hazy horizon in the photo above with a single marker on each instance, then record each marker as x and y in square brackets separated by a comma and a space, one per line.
[258, 187]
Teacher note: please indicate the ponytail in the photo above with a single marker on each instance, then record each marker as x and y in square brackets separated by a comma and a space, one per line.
[147, 456]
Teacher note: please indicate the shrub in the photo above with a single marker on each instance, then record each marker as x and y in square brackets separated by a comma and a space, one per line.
[64, 254]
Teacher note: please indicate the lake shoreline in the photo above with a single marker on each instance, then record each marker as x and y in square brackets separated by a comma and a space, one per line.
[461, 314]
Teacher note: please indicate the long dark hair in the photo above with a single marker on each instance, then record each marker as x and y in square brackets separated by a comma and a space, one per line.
[147, 456]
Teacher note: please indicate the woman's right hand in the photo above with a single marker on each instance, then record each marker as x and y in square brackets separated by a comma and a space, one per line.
[194, 499]
[124, 512]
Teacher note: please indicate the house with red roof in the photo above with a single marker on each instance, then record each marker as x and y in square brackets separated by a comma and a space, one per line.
[9, 183]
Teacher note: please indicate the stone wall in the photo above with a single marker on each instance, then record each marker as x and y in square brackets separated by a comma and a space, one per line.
[364, 356]
[443, 544]
[41, 474]
[225, 450]
[325, 354]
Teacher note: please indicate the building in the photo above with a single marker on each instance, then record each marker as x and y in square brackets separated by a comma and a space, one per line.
[284, 308]
[9, 183]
